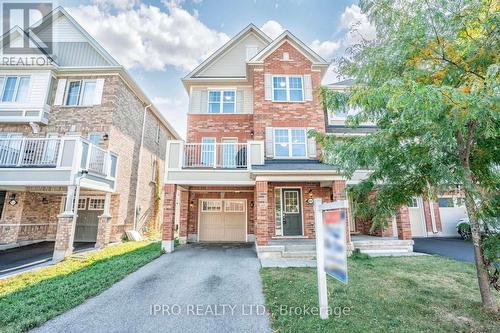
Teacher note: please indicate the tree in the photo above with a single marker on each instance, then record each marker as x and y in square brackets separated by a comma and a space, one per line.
[430, 83]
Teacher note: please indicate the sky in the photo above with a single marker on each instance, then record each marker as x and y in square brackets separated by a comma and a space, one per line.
[160, 41]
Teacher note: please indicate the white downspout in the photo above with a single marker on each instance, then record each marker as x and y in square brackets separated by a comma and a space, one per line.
[139, 164]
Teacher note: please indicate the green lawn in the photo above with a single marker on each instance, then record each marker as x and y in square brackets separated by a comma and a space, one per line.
[29, 299]
[385, 294]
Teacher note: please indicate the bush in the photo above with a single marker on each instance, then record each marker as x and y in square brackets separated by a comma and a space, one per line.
[464, 230]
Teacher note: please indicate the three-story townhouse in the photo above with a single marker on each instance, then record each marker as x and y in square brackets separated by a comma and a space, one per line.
[82, 149]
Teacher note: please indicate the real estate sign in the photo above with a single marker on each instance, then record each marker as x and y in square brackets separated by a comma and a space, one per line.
[331, 247]
[335, 255]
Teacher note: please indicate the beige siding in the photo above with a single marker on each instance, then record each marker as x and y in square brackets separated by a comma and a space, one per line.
[63, 31]
[233, 62]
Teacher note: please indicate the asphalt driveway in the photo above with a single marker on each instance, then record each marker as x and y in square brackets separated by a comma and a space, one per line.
[14, 259]
[198, 288]
[454, 248]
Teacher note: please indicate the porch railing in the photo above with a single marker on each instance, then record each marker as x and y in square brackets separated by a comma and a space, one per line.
[29, 152]
[215, 155]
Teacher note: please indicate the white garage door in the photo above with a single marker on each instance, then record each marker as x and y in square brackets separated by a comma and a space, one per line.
[451, 210]
[222, 220]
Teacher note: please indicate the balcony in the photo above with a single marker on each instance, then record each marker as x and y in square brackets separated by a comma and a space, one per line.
[215, 155]
[56, 161]
[213, 163]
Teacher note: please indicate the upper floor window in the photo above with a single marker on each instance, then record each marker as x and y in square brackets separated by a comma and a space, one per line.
[14, 88]
[290, 142]
[221, 101]
[80, 92]
[288, 89]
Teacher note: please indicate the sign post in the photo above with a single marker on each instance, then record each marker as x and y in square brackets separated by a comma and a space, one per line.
[331, 247]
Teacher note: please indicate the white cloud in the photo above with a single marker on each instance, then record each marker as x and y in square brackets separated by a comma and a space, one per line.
[272, 28]
[174, 110]
[326, 49]
[145, 37]
[358, 25]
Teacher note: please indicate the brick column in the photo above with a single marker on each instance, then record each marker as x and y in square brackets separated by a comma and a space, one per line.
[167, 243]
[403, 223]
[183, 218]
[261, 222]
[64, 237]
[104, 224]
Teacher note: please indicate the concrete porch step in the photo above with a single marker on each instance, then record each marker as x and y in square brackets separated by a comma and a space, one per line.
[300, 247]
[300, 254]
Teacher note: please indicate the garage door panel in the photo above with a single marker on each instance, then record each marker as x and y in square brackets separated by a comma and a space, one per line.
[222, 225]
[449, 219]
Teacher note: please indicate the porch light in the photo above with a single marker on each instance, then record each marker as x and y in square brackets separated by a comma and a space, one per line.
[252, 204]
[191, 204]
[310, 193]
[105, 137]
[12, 199]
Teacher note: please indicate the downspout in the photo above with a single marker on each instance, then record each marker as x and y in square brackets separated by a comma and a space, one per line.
[139, 164]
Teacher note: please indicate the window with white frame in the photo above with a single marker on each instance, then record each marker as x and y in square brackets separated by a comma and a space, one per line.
[451, 202]
[208, 206]
[80, 92]
[288, 89]
[221, 101]
[234, 206]
[96, 203]
[290, 142]
[207, 151]
[14, 88]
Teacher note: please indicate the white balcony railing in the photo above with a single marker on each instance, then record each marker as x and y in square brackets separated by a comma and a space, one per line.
[98, 161]
[215, 155]
[29, 152]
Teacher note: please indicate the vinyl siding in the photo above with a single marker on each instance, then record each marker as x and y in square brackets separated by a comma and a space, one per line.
[39, 84]
[233, 62]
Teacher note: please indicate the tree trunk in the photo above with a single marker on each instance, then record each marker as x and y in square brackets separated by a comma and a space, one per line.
[481, 270]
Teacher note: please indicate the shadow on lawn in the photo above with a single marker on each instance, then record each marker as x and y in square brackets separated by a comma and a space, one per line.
[30, 299]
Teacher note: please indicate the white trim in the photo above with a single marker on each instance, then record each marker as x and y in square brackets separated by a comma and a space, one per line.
[222, 211]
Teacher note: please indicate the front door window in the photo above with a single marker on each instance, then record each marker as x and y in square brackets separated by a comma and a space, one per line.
[292, 212]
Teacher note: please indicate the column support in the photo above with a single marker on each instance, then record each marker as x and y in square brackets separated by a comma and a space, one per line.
[261, 222]
[167, 243]
[66, 225]
[104, 224]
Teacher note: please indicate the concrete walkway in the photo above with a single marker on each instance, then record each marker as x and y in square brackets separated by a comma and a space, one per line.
[454, 248]
[198, 288]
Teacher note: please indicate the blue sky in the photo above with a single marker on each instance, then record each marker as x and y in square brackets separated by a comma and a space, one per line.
[159, 41]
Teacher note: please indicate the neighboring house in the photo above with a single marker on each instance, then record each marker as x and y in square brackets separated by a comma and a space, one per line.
[248, 170]
[79, 142]
[428, 218]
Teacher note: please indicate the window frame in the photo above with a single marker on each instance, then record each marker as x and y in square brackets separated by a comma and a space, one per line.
[16, 88]
[219, 206]
[81, 92]
[290, 143]
[221, 100]
[287, 88]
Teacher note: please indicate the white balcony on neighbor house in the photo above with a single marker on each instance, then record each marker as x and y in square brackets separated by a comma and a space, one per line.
[57, 161]
[213, 163]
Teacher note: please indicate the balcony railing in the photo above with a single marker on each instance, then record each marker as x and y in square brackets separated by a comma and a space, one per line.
[215, 155]
[29, 152]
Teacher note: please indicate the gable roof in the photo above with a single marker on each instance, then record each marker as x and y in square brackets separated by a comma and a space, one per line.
[251, 28]
[315, 58]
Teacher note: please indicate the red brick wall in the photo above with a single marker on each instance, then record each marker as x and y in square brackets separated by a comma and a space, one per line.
[286, 114]
[219, 126]
[427, 215]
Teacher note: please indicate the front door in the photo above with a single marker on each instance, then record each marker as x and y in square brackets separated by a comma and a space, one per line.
[229, 146]
[292, 213]
[89, 210]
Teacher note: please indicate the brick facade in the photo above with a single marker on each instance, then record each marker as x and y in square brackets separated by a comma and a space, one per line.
[120, 116]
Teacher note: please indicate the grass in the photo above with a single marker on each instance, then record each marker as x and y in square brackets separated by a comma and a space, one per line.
[29, 299]
[385, 294]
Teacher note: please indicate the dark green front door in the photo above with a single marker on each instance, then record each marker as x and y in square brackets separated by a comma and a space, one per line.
[292, 212]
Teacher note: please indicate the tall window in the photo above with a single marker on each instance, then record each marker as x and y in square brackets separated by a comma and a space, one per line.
[81, 93]
[14, 88]
[290, 142]
[221, 101]
[288, 89]
[207, 151]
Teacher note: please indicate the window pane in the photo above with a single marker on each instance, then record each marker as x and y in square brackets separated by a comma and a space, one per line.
[295, 83]
[299, 150]
[228, 102]
[10, 86]
[445, 202]
[296, 95]
[298, 136]
[88, 93]
[279, 88]
[2, 79]
[73, 92]
[208, 151]
[214, 101]
[22, 90]
[281, 149]
[95, 138]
